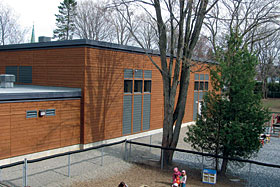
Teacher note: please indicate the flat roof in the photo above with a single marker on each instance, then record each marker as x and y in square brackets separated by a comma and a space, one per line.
[85, 43]
[33, 92]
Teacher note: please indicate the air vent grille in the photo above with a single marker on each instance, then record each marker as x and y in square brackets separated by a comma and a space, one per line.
[31, 114]
[50, 112]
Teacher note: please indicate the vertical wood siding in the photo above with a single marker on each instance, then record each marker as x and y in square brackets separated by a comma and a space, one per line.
[21, 135]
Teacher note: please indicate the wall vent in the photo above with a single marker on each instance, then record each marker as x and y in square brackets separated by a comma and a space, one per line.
[50, 112]
[31, 114]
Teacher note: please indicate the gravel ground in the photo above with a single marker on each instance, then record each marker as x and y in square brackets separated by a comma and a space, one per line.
[87, 169]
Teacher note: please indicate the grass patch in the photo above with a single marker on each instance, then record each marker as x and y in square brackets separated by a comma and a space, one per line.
[272, 104]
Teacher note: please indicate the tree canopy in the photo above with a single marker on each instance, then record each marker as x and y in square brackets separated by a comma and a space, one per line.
[65, 20]
[232, 116]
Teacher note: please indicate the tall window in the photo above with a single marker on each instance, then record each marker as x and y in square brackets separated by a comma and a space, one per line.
[201, 82]
[137, 100]
[200, 88]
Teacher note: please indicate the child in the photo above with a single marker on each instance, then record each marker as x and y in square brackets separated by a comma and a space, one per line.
[176, 176]
[183, 180]
[122, 184]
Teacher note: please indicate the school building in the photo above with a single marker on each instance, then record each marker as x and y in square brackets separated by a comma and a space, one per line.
[68, 95]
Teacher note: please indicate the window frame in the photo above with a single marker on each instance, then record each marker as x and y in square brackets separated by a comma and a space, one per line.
[131, 87]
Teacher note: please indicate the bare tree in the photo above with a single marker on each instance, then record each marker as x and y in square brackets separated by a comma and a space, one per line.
[146, 31]
[245, 17]
[203, 48]
[186, 19]
[120, 32]
[93, 21]
[268, 52]
[11, 32]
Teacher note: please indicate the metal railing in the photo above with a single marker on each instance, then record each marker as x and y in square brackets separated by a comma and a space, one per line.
[127, 155]
[25, 162]
[203, 155]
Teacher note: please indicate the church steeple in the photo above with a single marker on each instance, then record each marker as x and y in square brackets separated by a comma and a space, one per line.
[33, 35]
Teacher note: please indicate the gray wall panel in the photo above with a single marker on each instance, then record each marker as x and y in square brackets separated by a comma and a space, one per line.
[128, 73]
[148, 74]
[137, 113]
[138, 73]
[25, 74]
[195, 105]
[127, 110]
[146, 111]
[13, 70]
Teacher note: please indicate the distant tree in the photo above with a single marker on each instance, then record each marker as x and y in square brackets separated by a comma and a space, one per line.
[10, 31]
[146, 32]
[93, 21]
[65, 20]
[232, 120]
[120, 32]
[268, 52]
[247, 17]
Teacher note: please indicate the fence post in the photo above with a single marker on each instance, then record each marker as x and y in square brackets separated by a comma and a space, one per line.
[24, 173]
[102, 153]
[125, 150]
[202, 164]
[129, 155]
[150, 142]
[69, 165]
[249, 178]
[162, 158]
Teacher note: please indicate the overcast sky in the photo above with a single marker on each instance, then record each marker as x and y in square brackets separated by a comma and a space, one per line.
[39, 12]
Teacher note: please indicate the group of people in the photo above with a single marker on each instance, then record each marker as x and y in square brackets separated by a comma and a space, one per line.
[179, 178]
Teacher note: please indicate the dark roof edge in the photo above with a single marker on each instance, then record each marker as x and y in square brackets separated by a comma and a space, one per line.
[84, 43]
[39, 95]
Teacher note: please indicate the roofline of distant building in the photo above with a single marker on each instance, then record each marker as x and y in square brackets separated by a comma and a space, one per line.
[84, 43]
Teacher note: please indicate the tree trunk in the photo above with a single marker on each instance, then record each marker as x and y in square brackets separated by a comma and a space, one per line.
[224, 165]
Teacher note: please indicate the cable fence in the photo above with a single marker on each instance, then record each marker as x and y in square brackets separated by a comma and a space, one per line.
[253, 172]
[50, 169]
[47, 171]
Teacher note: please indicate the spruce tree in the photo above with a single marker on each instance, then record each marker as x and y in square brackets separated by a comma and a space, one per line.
[232, 116]
[65, 20]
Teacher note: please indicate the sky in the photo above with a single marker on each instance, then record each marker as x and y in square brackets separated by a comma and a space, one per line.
[40, 12]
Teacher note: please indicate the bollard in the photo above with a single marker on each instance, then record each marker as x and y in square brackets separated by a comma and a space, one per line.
[69, 165]
[162, 157]
[0, 175]
[102, 153]
[249, 178]
[24, 173]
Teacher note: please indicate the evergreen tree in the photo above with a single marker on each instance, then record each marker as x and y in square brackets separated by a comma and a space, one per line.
[232, 116]
[65, 20]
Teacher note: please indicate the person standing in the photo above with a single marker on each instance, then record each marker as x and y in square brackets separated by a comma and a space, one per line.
[183, 179]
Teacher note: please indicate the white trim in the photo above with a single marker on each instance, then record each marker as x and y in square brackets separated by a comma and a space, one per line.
[82, 146]
[39, 154]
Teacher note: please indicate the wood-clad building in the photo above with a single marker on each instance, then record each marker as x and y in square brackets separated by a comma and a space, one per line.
[121, 94]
